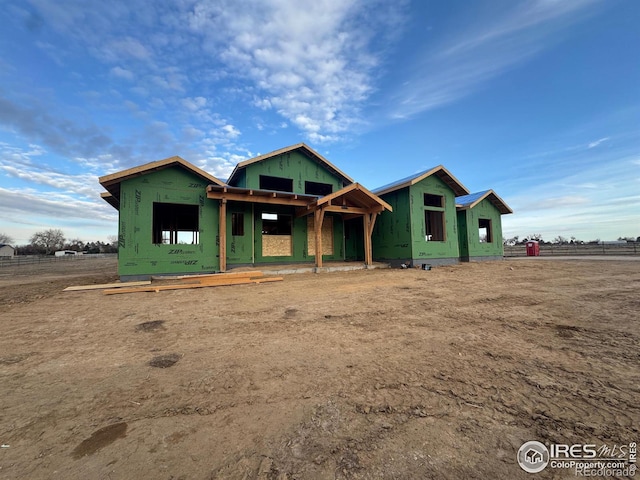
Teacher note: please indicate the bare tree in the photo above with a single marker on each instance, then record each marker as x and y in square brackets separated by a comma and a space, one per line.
[50, 240]
[7, 239]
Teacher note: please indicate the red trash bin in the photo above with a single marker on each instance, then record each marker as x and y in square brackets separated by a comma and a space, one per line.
[533, 249]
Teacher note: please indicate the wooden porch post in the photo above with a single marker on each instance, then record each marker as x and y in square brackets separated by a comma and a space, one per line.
[369, 222]
[317, 227]
[222, 232]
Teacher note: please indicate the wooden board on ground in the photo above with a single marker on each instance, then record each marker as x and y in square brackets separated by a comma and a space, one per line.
[251, 273]
[157, 288]
[106, 285]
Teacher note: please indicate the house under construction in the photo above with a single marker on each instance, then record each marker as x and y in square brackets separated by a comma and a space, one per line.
[293, 206]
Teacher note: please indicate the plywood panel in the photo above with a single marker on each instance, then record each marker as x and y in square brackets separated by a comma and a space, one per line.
[277, 245]
[327, 236]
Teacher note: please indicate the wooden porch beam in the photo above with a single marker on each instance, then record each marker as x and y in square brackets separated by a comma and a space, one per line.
[239, 197]
[317, 227]
[222, 232]
[368, 257]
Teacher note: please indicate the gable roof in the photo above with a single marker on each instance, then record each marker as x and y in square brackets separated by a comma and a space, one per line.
[111, 182]
[302, 147]
[355, 195]
[441, 172]
[469, 201]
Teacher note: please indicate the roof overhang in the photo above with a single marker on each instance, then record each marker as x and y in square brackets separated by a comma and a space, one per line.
[301, 147]
[501, 205]
[353, 199]
[237, 194]
[442, 173]
[111, 182]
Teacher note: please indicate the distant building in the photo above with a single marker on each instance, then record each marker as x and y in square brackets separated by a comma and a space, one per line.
[62, 253]
[6, 251]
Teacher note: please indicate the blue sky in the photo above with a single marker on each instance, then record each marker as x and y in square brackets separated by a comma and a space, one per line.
[537, 99]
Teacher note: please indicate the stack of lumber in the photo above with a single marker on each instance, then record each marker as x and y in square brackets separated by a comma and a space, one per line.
[200, 281]
[178, 283]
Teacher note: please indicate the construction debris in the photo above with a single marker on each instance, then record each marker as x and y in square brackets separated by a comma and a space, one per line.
[105, 285]
[201, 281]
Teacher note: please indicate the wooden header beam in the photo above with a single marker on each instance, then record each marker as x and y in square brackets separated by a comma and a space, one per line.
[274, 199]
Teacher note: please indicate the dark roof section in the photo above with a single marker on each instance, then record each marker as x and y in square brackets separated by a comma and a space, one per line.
[441, 172]
[111, 182]
[303, 148]
[469, 201]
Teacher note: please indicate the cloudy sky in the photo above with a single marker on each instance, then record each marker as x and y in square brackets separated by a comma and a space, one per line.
[537, 99]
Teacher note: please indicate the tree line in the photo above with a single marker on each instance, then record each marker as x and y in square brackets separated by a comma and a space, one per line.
[46, 242]
[560, 240]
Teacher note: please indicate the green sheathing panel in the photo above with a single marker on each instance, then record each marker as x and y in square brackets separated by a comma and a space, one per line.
[239, 247]
[486, 210]
[354, 239]
[300, 252]
[137, 254]
[293, 165]
[463, 237]
[445, 251]
[391, 239]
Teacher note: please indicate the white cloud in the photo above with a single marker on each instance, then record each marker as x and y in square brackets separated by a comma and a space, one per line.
[597, 142]
[122, 73]
[194, 104]
[313, 62]
[482, 51]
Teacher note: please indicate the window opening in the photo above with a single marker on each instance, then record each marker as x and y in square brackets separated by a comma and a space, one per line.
[484, 230]
[276, 235]
[279, 184]
[433, 200]
[434, 226]
[317, 188]
[175, 223]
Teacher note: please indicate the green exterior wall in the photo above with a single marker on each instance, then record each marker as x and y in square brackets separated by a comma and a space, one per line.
[391, 238]
[293, 165]
[354, 239]
[399, 236]
[423, 251]
[137, 254]
[239, 247]
[471, 247]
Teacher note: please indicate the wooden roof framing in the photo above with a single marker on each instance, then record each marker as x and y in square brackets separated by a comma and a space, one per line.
[302, 147]
[111, 182]
[351, 200]
[225, 192]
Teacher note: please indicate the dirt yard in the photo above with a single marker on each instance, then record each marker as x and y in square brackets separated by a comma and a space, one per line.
[391, 374]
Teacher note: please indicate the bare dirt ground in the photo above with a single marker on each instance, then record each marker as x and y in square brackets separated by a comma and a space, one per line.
[392, 374]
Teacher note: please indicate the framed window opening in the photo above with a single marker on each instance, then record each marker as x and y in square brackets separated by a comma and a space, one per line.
[175, 223]
[317, 188]
[485, 233]
[434, 226]
[431, 200]
[278, 184]
[277, 238]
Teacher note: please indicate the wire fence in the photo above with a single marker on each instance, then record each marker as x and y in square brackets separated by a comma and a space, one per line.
[39, 259]
[549, 249]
